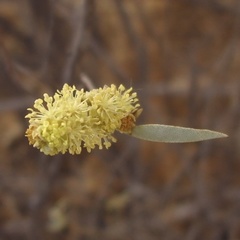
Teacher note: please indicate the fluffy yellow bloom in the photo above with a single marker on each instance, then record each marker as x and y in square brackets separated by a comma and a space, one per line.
[73, 119]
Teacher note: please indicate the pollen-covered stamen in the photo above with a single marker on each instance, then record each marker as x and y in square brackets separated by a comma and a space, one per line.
[73, 119]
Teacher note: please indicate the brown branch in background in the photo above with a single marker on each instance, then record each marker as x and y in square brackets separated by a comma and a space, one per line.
[43, 21]
[193, 92]
[15, 104]
[87, 81]
[48, 174]
[140, 48]
[104, 56]
[48, 42]
[78, 28]
[22, 37]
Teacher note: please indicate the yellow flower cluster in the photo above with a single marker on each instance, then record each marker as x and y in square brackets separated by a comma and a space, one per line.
[73, 119]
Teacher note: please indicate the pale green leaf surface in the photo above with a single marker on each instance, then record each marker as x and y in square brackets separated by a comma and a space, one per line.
[173, 134]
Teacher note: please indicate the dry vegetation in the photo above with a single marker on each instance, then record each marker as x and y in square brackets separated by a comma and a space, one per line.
[183, 58]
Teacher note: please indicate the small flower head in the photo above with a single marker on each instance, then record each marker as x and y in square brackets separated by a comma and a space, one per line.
[73, 119]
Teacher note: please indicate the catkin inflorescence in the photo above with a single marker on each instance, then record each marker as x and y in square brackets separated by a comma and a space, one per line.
[73, 119]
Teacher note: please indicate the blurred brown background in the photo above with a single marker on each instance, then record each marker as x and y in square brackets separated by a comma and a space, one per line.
[183, 59]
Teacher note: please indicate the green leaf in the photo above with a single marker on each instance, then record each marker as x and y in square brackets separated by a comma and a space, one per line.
[173, 134]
